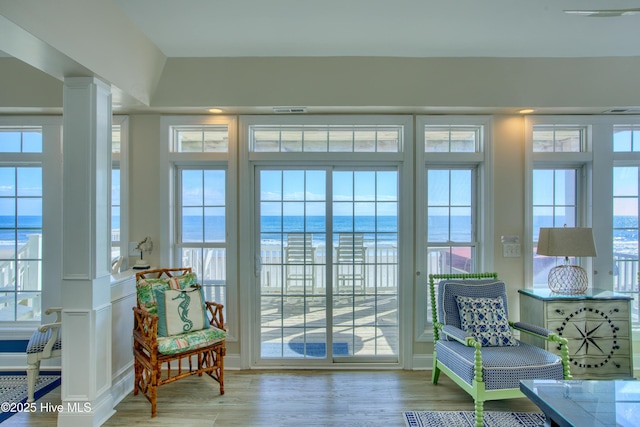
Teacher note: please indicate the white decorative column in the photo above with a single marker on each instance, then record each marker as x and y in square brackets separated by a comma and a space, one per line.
[85, 290]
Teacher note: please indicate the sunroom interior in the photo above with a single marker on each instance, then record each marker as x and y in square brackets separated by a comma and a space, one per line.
[312, 182]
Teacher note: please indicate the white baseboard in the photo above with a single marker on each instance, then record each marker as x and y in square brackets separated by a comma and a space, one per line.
[232, 362]
[122, 383]
[422, 362]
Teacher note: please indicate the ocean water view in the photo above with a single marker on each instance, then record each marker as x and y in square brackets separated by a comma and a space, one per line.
[27, 224]
[384, 229]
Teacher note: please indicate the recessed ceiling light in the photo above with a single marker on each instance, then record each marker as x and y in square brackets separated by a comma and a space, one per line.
[603, 13]
[526, 111]
[216, 110]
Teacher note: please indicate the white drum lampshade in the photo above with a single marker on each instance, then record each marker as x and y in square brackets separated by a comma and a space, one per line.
[567, 242]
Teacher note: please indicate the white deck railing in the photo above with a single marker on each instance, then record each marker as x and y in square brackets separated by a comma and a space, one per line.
[20, 279]
[379, 272]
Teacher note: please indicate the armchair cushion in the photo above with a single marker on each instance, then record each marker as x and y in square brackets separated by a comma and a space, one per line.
[180, 311]
[485, 319]
[502, 367]
[449, 289]
[39, 340]
[146, 288]
[190, 341]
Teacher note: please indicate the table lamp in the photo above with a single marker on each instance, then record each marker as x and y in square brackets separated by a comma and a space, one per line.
[567, 242]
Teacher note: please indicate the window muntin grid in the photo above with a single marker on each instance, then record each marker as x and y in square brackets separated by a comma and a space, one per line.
[326, 138]
[201, 139]
[453, 139]
[116, 131]
[559, 138]
[202, 238]
[626, 203]
[20, 242]
[115, 212]
[555, 204]
[626, 138]
[451, 245]
[21, 140]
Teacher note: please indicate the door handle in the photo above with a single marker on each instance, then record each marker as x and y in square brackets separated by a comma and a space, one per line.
[258, 269]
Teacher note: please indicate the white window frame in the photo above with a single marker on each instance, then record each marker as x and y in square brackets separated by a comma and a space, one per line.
[603, 201]
[51, 160]
[169, 162]
[401, 159]
[121, 161]
[483, 209]
[581, 161]
[579, 172]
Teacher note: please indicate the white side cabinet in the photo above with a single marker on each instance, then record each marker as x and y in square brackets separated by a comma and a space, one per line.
[597, 325]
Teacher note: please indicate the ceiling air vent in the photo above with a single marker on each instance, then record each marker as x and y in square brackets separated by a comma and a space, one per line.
[623, 111]
[289, 110]
[603, 13]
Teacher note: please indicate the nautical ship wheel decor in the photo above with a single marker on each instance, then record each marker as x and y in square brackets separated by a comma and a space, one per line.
[593, 332]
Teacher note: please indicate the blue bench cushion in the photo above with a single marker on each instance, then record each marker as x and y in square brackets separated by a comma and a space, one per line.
[503, 367]
[39, 340]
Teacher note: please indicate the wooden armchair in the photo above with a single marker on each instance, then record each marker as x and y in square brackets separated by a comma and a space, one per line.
[45, 343]
[167, 328]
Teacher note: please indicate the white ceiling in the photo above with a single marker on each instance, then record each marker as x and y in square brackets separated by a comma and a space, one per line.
[408, 28]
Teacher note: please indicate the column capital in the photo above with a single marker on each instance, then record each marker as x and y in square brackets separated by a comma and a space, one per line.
[78, 82]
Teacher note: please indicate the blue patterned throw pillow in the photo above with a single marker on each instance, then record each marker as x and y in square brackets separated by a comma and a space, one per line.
[485, 320]
[181, 311]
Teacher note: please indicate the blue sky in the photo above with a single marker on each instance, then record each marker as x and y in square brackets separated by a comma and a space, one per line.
[364, 193]
[29, 183]
[29, 179]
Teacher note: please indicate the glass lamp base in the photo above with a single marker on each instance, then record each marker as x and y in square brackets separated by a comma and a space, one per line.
[568, 279]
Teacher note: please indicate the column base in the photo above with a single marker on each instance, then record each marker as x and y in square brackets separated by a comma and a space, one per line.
[86, 413]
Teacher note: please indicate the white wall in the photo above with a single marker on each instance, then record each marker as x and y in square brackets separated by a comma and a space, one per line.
[422, 85]
[144, 175]
[508, 201]
[419, 83]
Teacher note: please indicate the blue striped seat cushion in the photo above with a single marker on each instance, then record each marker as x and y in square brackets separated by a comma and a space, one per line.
[38, 341]
[503, 367]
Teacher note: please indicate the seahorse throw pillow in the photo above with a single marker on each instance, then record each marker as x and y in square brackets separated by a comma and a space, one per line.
[181, 311]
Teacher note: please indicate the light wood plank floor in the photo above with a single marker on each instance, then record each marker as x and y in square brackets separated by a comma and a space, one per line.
[289, 398]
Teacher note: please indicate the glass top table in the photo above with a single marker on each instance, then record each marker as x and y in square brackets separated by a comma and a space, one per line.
[586, 403]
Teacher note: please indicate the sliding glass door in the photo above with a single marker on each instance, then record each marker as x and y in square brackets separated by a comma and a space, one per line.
[328, 241]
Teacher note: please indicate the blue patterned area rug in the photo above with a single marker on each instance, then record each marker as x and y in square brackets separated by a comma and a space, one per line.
[468, 418]
[13, 390]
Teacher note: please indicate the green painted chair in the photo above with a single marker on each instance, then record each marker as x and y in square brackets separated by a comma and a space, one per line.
[474, 343]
